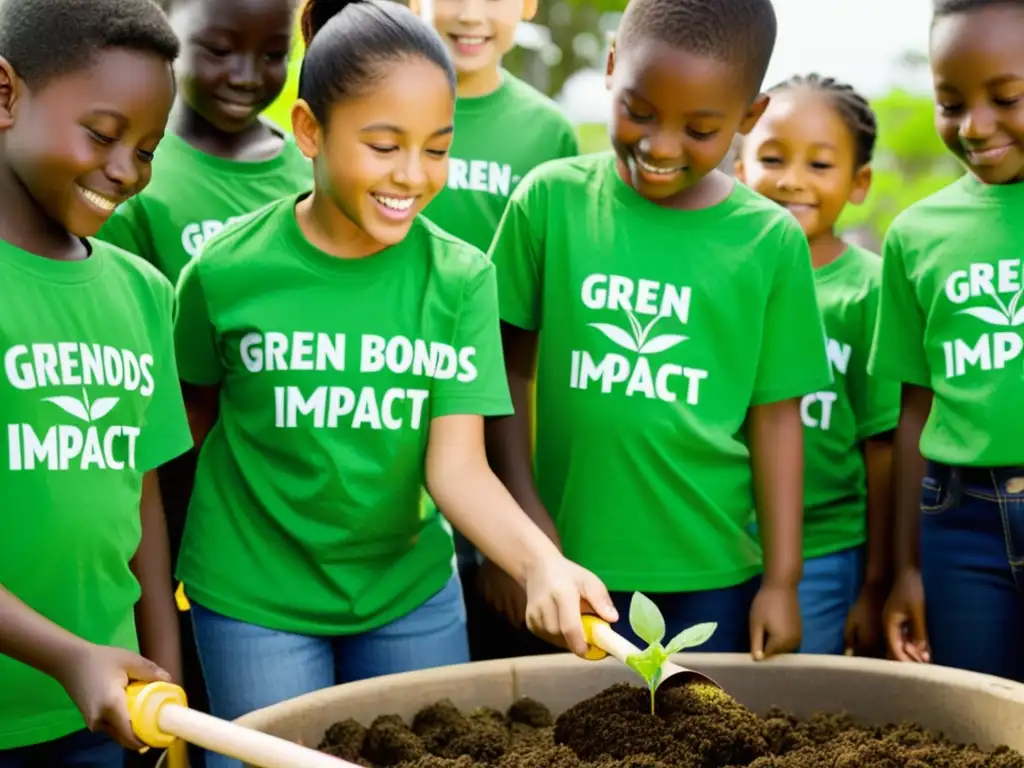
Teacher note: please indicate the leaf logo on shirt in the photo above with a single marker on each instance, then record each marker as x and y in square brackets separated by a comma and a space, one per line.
[1001, 314]
[83, 409]
[638, 338]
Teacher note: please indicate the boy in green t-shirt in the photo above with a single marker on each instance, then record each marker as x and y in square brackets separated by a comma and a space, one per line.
[811, 152]
[949, 329]
[504, 129]
[89, 392]
[220, 160]
[672, 314]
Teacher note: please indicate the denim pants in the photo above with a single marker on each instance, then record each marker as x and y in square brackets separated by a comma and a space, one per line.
[249, 667]
[81, 749]
[728, 607]
[972, 565]
[828, 590]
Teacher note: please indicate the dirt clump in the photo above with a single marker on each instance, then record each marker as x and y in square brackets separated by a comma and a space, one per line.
[696, 726]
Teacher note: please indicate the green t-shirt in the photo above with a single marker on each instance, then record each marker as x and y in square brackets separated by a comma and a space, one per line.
[950, 319]
[658, 330]
[498, 139]
[90, 401]
[193, 196]
[305, 515]
[856, 407]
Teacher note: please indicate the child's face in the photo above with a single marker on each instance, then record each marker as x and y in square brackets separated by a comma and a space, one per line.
[83, 143]
[802, 155]
[477, 32]
[234, 57]
[674, 116]
[978, 71]
[382, 157]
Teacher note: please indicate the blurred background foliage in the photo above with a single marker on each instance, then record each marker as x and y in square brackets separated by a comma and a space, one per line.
[563, 51]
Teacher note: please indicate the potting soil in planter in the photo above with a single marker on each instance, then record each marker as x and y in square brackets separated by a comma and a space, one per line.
[697, 726]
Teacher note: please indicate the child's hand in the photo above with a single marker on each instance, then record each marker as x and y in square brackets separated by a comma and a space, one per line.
[903, 618]
[774, 622]
[863, 633]
[96, 679]
[557, 593]
[502, 593]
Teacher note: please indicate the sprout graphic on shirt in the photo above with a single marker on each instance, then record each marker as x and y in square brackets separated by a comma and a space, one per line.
[638, 339]
[83, 409]
[1012, 315]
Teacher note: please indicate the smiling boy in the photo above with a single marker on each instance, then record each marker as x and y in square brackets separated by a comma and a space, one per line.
[89, 388]
[673, 316]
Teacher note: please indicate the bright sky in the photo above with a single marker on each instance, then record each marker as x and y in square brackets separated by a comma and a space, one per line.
[856, 41]
[852, 40]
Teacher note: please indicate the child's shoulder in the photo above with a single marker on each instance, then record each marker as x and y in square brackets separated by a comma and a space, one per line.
[574, 175]
[144, 281]
[246, 235]
[924, 215]
[451, 257]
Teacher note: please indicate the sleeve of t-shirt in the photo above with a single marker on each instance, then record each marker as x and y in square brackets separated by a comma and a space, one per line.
[517, 254]
[897, 352]
[875, 400]
[570, 144]
[128, 229]
[793, 360]
[195, 339]
[480, 387]
[165, 433]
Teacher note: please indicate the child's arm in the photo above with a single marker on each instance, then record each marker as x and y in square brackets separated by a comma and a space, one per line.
[474, 501]
[94, 676]
[509, 443]
[509, 449]
[777, 459]
[898, 355]
[199, 364]
[156, 616]
[904, 615]
[863, 626]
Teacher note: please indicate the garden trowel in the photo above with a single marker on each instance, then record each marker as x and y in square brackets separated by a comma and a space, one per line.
[162, 719]
[605, 641]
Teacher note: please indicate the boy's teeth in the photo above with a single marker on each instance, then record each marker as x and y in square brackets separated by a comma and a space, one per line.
[98, 200]
[472, 40]
[395, 203]
[652, 169]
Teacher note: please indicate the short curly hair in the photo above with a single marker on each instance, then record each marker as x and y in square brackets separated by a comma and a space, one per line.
[44, 39]
[738, 32]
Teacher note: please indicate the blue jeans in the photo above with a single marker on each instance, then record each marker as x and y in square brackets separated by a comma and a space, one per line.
[972, 564]
[249, 667]
[728, 607]
[81, 749]
[828, 590]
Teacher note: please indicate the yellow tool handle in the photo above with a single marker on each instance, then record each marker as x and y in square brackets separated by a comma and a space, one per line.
[160, 716]
[605, 641]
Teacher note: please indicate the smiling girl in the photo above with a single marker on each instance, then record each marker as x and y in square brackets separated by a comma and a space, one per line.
[810, 152]
[354, 351]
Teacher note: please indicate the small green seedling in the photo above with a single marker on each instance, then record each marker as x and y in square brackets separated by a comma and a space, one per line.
[648, 624]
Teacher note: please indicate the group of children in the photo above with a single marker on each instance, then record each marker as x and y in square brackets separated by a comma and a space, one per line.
[661, 377]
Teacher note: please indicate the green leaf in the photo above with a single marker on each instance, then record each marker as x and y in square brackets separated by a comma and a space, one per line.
[645, 619]
[645, 664]
[692, 637]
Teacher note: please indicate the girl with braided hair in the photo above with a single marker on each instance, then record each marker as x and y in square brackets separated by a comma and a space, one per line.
[811, 153]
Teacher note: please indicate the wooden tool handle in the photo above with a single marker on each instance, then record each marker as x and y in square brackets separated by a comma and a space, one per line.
[159, 716]
[599, 634]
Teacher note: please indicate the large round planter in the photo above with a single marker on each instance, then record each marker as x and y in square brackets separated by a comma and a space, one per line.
[968, 707]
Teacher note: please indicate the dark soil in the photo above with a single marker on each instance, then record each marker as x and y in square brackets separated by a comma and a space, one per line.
[697, 726]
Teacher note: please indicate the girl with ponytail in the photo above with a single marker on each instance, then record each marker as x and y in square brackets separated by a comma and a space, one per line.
[346, 353]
